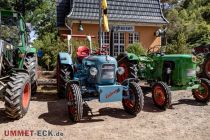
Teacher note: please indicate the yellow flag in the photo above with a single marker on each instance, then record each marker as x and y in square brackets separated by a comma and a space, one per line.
[104, 4]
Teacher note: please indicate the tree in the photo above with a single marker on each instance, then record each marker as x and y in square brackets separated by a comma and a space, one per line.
[190, 18]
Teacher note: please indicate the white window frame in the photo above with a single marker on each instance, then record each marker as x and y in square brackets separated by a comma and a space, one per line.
[135, 35]
[104, 39]
[118, 44]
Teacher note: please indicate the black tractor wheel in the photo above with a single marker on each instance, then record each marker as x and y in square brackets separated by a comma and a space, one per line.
[202, 94]
[130, 68]
[206, 68]
[64, 72]
[31, 65]
[75, 103]
[18, 95]
[134, 99]
[161, 95]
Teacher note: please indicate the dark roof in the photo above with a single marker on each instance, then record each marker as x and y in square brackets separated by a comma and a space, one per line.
[62, 9]
[140, 11]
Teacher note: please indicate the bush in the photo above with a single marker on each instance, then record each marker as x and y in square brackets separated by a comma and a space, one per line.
[178, 47]
[136, 48]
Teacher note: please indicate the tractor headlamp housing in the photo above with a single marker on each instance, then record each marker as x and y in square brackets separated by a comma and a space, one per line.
[121, 71]
[93, 71]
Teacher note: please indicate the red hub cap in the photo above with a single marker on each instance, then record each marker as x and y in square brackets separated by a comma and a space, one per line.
[159, 95]
[26, 96]
[125, 75]
[202, 92]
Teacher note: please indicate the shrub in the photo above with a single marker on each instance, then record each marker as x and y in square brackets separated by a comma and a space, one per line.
[136, 48]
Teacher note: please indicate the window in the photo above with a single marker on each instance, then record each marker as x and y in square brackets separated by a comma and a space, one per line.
[133, 37]
[119, 43]
[106, 40]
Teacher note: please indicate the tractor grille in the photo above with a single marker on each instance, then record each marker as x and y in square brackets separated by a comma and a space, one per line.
[108, 72]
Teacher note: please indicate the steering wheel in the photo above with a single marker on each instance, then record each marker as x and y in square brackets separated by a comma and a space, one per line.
[155, 50]
[98, 52]
[102, 51]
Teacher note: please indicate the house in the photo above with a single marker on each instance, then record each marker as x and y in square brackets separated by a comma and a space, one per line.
[129, 21]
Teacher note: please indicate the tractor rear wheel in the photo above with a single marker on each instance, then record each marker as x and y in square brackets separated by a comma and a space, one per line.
[75, 103]
[18, 95]
[161, 95]
[64, 72]
[206, 68]
[30, 65]
[134, 101]
[202, 94]
[130, 70]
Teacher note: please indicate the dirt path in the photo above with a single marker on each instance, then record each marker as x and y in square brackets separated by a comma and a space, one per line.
[189, 120]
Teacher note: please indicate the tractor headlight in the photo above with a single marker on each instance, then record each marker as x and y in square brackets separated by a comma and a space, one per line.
[93, 71]
[191, 72]
[121, 71]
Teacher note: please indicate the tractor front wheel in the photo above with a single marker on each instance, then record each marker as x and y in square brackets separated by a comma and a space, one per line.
[133, 100]
[161, 95]
[202, 94]
[75, 103]
[18, 95]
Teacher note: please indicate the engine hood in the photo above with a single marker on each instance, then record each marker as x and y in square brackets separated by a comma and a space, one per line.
[99, 60]
[106, 66]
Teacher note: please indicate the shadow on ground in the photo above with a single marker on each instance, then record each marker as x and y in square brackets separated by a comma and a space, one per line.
[189, 102]
[57, 114]
[44, 97]
[149, 105]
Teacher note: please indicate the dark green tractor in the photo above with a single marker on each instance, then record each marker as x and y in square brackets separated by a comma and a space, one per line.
[18, 65]
[165, 73]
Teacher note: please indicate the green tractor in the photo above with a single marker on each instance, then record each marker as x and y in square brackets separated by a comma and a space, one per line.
[18, 63]
[165, 73]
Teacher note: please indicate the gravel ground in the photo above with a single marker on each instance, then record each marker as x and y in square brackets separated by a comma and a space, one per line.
[188, 120]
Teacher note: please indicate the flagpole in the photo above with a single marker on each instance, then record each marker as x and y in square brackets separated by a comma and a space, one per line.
[100, 25]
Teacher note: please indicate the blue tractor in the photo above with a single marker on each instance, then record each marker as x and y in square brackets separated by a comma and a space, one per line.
[93, 76]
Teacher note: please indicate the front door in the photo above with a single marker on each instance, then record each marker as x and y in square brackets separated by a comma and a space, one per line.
[118, 43]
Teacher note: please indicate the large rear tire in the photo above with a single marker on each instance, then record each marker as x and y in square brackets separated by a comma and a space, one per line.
[64, 72]
[18, 95]
[161, 95]
[134, 102]
[130, 70]
[202, 94]
[31, 66]
[75, 103]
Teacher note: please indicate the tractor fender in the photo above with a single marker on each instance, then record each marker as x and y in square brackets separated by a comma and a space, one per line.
[128, 56]
[65, 58]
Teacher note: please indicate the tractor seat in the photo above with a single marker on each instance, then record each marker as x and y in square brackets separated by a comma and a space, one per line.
[82, 52]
